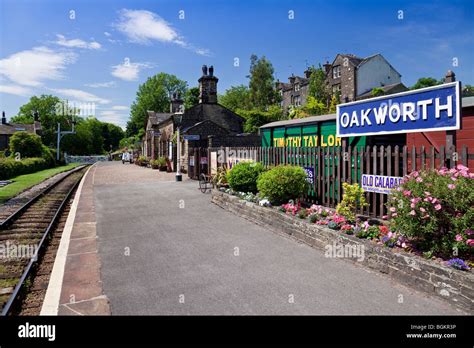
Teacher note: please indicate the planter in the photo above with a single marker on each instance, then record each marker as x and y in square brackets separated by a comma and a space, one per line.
[163, 168]
[434, 278]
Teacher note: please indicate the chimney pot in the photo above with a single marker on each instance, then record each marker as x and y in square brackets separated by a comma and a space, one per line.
[4, 119]
[204, 70]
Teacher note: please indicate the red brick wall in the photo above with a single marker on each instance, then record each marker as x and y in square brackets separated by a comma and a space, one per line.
[465, 136]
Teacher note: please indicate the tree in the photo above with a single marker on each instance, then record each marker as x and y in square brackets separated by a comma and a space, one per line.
[26, 144]
[49, 113]
[468, 91]
[255, 118]
[153, 95]
[426, 82]
[236, 97]
[191, 97]
[262, 83]
[377, 91]
[317, 84]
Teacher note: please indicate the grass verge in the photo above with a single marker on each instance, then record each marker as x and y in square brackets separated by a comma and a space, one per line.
[23, 182]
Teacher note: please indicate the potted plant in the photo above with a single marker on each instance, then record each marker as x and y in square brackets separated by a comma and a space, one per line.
[162, 164]
[155, 164]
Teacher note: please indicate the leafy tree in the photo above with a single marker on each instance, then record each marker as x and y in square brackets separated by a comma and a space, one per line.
[312, 107]
[262, 83]
[154, 95]
[236, 97]
[26, 144]
[255, 118]
[49, 113]
[112, 135]
[317, 84]
[377, 91]
[191, 97]
[426, 82]
[335, 99]
[468, 91]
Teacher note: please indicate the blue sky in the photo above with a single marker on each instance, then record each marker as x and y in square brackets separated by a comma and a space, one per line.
[102, 54]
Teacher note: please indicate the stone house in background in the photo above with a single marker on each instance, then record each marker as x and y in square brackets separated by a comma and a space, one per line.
[8, 129]
[202, 125]
[352, 77]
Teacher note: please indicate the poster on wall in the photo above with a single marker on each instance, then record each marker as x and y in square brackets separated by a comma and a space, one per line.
[309, 174]
[213, 162]
[191, 161]
[380, 183]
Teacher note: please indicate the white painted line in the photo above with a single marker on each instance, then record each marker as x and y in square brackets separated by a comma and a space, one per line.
[53, 293]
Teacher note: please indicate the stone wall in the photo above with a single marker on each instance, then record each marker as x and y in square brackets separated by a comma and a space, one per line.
[452, 285]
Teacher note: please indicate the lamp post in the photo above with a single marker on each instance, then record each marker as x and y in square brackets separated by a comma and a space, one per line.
[61, 134]
[179, 177]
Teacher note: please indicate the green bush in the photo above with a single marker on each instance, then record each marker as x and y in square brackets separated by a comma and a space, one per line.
[10, 167]
[435, 210]
[243, 176]
[352, 199]
[26, 144]
[282, 183]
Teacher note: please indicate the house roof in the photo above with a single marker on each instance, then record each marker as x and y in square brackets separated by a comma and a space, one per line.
[386, 89]
[10, 128]
[300, 121]
[365, 60]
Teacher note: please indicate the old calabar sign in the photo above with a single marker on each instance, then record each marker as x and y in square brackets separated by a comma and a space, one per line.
[428, 109]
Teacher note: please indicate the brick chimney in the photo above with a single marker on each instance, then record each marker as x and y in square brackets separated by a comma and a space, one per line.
[176, 104]
[208, 86]
[327, 67]
[4, 119]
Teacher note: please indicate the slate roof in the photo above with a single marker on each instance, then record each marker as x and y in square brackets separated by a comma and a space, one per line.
[10, 128]
[394, 88]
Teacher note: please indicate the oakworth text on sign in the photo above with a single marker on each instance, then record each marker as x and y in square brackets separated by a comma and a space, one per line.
[427, 109]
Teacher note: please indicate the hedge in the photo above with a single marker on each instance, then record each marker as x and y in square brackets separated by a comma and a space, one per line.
[10, 168]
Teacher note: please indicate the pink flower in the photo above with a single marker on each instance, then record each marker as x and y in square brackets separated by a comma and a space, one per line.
[384, 217]
[427, 193]
[451, 186]
[404, 245]
[394, 214]
[414, 174]
[413, 213]
[406, 193]
[458, 238]
[453, 178]
[422, 209]
[419, 179]
[393, 209]
[461, 167]
[438, 206]
[470, 242]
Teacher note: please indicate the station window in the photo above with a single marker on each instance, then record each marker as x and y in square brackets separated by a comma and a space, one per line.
[336, 72]
[297, 87]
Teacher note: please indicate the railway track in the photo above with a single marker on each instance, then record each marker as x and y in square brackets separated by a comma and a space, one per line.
[28, 242]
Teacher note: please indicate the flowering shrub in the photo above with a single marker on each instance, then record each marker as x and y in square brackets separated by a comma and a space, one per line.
[352, 199]
[290, 207]
[435, 209]
[458, 264]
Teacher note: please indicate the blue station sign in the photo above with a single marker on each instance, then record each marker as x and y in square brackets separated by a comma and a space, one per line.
[427, 109]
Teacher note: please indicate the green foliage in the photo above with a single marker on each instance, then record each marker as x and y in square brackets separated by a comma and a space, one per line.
[26, 144]
[426, 82]
[335, 99]
[46, 105]
[282, 183]
[468, 91]
[154, 95]
[303, 214]
[256, 118]
[243, 176]
[155, 164]
[313, 107]
[313, 218]
[435, 209]
[141, 161]
[191, 97]
[10, 167]
[352, 199]
[262, 83]
[220, 178]
[236, 98]
[377, 91]
[317, 84]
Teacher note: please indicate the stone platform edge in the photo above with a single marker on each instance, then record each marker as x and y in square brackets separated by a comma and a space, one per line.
[456, 287]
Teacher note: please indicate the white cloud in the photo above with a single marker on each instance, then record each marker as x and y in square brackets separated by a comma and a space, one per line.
[15, 90]
[114, 117]
[106, 33]
[31, 67]
[128, 71]
[119, 107]
[77, 43]
[101, 84]
[81, 96]
[143, 27]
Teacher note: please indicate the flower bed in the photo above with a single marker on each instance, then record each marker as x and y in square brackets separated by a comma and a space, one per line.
[384, 250]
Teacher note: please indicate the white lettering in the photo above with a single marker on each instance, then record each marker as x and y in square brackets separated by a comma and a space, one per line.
[448, 107]
[424, 107]
[396, 108]
[365, 117]
[344, 119]
[408, 110]
[380, 114]
[354, 119]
